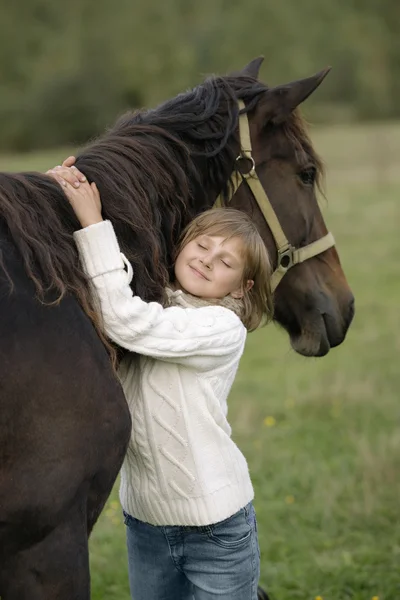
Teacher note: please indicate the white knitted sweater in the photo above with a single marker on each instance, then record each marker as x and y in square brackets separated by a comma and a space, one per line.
[182, 467]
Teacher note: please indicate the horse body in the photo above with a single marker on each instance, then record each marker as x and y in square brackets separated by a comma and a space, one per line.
[64, 423]
[64, 428]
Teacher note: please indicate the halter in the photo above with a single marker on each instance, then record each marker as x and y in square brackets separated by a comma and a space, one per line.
[288, 255]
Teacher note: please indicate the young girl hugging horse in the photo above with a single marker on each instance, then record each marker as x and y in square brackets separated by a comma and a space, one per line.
[185, 486]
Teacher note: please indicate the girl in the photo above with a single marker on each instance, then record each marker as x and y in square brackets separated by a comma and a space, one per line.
[185, 486]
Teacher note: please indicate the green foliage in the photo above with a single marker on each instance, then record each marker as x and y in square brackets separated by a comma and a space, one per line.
[66, 71]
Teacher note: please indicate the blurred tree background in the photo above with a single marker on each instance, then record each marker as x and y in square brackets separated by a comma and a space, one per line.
[68, 69]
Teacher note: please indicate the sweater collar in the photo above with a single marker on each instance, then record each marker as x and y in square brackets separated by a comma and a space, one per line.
[186, 300]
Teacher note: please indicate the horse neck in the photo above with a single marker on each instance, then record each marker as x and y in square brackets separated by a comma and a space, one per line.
[212, 165]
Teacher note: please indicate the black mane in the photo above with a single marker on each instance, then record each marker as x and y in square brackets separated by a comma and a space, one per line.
[157, 168]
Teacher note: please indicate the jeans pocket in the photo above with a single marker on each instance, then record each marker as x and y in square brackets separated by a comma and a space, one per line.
[233, 532]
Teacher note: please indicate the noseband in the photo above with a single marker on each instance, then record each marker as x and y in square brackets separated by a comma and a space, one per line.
[288, 255]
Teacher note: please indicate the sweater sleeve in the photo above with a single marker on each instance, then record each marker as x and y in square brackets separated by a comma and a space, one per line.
[201, 337]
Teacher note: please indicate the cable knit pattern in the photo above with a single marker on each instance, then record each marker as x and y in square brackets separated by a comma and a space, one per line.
[182, 467]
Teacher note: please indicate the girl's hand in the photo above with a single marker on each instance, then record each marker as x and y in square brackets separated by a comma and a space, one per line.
[72, 175]
[83, 196]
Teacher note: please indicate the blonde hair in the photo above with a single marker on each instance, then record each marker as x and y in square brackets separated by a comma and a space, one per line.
[257, 302]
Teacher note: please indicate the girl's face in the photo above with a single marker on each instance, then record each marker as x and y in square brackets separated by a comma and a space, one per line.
[212, 267]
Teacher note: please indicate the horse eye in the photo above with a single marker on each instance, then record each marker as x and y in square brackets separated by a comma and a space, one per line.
[308, 176]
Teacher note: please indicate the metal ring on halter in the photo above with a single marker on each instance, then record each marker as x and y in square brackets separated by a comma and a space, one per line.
[252, 171]
[285, 258]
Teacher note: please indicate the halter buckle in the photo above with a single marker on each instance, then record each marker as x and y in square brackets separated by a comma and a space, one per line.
[286, 258]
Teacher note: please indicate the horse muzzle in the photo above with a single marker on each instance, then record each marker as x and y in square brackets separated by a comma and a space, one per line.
[323, 328]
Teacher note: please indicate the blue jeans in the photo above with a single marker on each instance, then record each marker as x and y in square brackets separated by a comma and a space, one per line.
[220, 561]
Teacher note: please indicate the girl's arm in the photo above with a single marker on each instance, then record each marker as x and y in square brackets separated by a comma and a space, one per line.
[203, 337]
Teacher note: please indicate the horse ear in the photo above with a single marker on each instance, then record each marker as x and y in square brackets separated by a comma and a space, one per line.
[252, 69]
[280, 101]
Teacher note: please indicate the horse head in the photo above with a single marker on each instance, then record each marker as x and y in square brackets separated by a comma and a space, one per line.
[276, 179]
[172, 162]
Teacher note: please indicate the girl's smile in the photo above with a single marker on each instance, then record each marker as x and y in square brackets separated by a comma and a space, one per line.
[198, 273]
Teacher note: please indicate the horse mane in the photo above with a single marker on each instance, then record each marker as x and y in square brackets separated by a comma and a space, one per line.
[155, 169]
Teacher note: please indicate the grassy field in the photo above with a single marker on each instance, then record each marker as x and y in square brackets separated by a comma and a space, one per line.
[322, 436]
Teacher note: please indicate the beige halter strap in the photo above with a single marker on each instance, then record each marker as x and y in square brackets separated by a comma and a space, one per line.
[288, 255]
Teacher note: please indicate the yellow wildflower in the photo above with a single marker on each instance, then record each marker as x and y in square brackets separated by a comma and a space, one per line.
[319, 598]
[290, 500]
[375, 598]
[269, 421]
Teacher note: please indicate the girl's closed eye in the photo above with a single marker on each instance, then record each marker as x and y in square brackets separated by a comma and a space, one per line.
[226, 264]
[201, 246]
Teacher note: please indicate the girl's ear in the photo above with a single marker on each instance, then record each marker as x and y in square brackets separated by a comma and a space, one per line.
[245, 288]
[248, 285]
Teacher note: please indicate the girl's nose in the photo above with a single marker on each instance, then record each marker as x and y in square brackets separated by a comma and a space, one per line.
[207, 262]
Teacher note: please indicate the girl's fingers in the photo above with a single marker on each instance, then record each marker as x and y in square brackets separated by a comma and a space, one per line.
[68, 174]
[52, 173]
[78, 173]
[69, 162]
[95, 190]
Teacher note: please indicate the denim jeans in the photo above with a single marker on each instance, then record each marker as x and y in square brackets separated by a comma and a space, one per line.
[220, 561]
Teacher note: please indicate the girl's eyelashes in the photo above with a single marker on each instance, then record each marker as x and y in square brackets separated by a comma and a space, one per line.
[199, 245]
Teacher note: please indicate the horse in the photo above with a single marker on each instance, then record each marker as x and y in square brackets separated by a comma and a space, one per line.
[64, 422]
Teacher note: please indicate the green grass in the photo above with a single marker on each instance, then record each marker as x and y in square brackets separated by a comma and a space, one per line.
[321, 436]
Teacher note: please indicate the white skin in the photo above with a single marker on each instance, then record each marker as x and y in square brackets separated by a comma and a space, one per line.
[208, 266]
